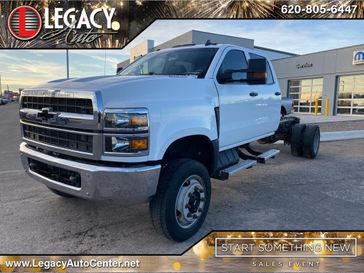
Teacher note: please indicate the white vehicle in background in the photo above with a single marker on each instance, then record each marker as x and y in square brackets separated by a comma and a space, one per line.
[159, 130]
[286, 106]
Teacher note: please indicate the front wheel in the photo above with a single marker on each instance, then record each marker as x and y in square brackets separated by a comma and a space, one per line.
[180, 206]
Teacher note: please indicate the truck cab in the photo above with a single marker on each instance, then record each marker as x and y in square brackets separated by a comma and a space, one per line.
[159, 130]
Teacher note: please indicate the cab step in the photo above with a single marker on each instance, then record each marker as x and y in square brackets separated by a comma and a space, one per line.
[263, 157]
[245, 164]
[260, 157]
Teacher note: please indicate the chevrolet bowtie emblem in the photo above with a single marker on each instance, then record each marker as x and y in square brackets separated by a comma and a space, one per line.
[45, 115]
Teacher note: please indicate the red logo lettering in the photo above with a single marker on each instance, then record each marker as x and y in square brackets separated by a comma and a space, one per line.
[24, 23]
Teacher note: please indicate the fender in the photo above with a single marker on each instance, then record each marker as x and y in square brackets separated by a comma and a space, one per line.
[178, 107]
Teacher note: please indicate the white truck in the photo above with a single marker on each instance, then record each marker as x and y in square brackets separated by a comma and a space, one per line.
[159, 130]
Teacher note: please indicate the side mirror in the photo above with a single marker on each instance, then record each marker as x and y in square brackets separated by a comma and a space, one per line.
[257, 71]
[229, 75]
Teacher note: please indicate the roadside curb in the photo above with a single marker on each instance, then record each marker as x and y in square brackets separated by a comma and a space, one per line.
[341, 135]
[337, 136]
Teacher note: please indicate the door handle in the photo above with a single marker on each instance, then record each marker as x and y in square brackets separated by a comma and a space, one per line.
[277, 93]
[253, 94]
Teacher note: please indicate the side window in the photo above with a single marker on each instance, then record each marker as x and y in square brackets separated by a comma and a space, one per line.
[269, 70]
[234, 60]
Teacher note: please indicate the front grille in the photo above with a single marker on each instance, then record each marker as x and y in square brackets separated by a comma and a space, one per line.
[68, 105]
[68, 140]
[55, 173]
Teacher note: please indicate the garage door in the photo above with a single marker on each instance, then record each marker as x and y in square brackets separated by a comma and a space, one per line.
[351, 95]
[304, 92]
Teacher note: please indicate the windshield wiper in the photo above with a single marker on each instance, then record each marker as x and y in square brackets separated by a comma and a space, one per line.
[145, 74]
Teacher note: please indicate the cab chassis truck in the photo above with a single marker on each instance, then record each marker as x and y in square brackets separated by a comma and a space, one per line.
[159, 130]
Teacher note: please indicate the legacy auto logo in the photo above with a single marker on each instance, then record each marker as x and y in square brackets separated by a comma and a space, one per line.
[74, 26]
[24, 23]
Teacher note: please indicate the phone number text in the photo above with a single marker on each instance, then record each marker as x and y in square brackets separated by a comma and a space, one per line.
[317, 9]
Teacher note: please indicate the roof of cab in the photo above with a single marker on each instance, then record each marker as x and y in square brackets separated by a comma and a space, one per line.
[219, 46]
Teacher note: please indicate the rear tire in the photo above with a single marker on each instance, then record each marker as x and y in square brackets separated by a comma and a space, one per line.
[297, 139]
[62, 194]
[180, 206]
[311, 141]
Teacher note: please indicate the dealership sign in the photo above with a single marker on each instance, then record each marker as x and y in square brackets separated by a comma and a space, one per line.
[305, 65]
[71, 25]
[24, 23]
[358, 57]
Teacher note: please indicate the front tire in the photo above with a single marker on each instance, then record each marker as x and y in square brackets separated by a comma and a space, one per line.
[180, 206]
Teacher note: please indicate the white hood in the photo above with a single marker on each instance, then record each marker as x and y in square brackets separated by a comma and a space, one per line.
[88, 83]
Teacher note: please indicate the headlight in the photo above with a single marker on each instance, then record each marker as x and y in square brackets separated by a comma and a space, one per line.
[126, 131]
[122, 144]
[133, 120]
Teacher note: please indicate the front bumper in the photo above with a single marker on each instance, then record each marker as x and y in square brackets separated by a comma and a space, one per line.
[129, 184]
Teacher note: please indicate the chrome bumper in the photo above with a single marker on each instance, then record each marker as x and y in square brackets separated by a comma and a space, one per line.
[130, 184]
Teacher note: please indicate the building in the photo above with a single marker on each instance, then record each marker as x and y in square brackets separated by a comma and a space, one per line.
[11, 95]
[333, 78]
[199, 37]
[336, 76]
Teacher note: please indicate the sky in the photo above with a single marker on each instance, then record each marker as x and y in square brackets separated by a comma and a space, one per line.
[27, 68]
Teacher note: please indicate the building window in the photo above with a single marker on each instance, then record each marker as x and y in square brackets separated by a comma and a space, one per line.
[351, 95]
[304, 93]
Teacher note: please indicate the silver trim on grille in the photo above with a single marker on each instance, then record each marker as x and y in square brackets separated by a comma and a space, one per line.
[58, 129]
[29, 111]
[82, 124]
[96, 142]
[65, 119]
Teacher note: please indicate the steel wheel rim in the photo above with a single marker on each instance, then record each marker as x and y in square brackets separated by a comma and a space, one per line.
[190, 201]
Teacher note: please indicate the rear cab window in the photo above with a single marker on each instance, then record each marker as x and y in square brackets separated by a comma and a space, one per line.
[270, 79]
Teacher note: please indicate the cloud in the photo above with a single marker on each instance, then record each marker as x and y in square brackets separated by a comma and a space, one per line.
[21, 69]
[40, 68]
[25, 68]
[113, 57]
[297, 36]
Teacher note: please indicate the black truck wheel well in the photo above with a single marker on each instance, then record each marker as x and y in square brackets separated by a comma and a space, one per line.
[283, 111]
[197, 147]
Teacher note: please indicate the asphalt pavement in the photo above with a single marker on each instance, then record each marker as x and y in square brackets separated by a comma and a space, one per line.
[288, 193]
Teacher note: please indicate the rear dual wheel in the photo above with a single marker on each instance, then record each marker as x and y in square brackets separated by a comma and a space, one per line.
[305, 140]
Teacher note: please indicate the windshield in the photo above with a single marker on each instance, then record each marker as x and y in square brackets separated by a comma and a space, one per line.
[191, 61]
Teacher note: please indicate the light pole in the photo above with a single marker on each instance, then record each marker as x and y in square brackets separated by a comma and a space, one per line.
[105, 63]
[67, 61]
